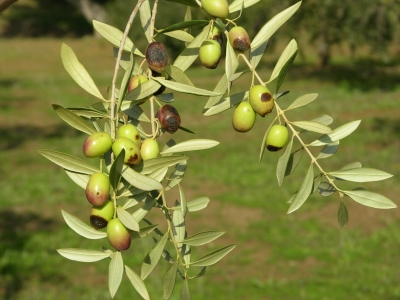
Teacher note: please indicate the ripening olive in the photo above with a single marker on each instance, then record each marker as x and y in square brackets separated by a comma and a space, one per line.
[261, 100]
[136, 81]
[156, 56]
[129, 131]
[243, 117]
[169, 118]
[132, 152]
[216, 35]
[149, 149]
[210, 53]
[98, 189]
[117, 234]
[97, 144]
[239, 39]
[100, 215]
[277, 138]
[216, 8]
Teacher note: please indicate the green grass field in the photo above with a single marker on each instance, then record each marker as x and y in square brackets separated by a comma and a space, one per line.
[304, 255]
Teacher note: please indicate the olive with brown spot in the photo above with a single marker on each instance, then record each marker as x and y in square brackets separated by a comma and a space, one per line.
[169, 118]
[132, 152]
[261, 100]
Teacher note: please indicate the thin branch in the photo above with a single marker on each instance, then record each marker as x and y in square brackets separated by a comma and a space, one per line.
[6, 3]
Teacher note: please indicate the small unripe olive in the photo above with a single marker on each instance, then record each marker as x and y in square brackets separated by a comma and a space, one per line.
[129, 131]
[136, 81]
[239, 38]
[277, 138]
[156, 56]
[149, 149]
[132, 152]
[117, 234]
[97, 144]
[100, 215]
[98, 189]
[169, 118]
[216, 35]
[216, 8]
[210, 53]
[243, 117]
[261, 100]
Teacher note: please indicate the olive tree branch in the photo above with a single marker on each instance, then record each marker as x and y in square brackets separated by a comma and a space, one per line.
[6, 3]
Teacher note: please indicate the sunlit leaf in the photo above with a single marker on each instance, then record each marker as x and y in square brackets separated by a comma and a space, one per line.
[167, 98]
[231, 61]
[312, 126]
[151, 165]
[283, 163]
[290, 49]
[115, 273]
[116, 169]
[78, 72]
[326, 189]
[337, 134]
[137, 113]
[329, 150]
[294, 160]
[78, 178]
[180, 35]
[178, 75]
[323, 119]
[73, 120]
[82, 255]
[81, 227]
[145, 19]
[227, 103]
[371, 199]
[87, 112]
[144, 90]
[183, 200]
[177, 175]
[202, 238]
[352, 165]
[194, 205]
[143, 232]
[185, 2]
[178, 227]
[303, 101]
[183, 88]
[169, 280]
[139, 180]
[343, 216]
[136, 199]
[361, 174]
[152, 258]
[213, 257]
[282, 73]
[238, 4]
[185, 293]
[69, 162]
[304, 191]
[159, 174]
[191, 145]
[256, 54]
[184, 25]
[127, 219]
[144, 210]
[137, 283]
[273, 25]
[221, 88]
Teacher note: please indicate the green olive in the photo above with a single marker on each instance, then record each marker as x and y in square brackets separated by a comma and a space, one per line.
[244, 117]
[261, 100]
[97, 144]
[136, 81]
[129, 131]
[216, 8]
[132, 152]
[98, 189]
[100, 215]
[277, 138]
[210, 53]
[149, 149]
[118, 235]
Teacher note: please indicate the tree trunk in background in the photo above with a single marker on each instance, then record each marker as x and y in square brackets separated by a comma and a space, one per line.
[324, 53]
[5, 3]
[90, 10]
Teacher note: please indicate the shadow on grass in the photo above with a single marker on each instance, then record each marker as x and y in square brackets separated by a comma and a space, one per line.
[16, 232]
[12, 137]
[364, 77]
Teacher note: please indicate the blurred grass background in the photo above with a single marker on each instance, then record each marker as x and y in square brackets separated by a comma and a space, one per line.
[299, 256]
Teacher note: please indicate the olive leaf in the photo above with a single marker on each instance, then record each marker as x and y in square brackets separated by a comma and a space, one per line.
[159, 174]
[82, 255]
[69, 162]
[256, 54]
[144, 90]
[116, 169]
[337, 134]
[284, 71]
[304, 191]
[343, 216]
[145, 19]
[177, 175]
[183, 200]
[323, 119]
[185, 2]
[169, 280]
[352, 165]
[137, 283]
[152, 258]
[191, 145]
[178, 75]
[370, 199]
[185, 293]
[231, 61]
[127, 219]
[184, 88]
[361, 174]
[221, 88]
[73, 120]
[178, 222]
[283, 163]
[194, 205]
[303, 101]
[290, 49]
[239, 4]
[81, 227]
[180, 35]
[144, 210]
[87, 112]
[312, 126]
[115, 273]
[139, 180]
[328, 150]
[79, 178]
[263, 145]
[294, 160]
[326, 189]
[183, 25]
[202, 238]
[227, 103]
[151, 165]
[137, 113]
[213, 257]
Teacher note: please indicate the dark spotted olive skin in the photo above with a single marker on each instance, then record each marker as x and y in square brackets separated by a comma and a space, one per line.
[169, 118]
[156, 56]
[239, 39]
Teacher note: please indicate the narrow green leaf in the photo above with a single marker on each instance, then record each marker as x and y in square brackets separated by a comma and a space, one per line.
[144, 210]
[136, 199]
[238, 4]
[256, 54]
[290, 49]
[137, 113]
[159, 174]
[194, 205]
[213, 257]
[273, 25]
[87, 112]
[145, 19]
[115, 273]
[312, 126]
[371, 199]
[231, 61]
[202, 238]
[284, 71]
[304, 191]
[191, 145]
[82, 255]
[329, 150]
[81, 227]
[238, 75]
[221, 88]
[143, 232]
[151, 165]
[69, 162]
[343, 216]
[178, 75]
[178, 222]
[183, 88]
[169, 280]
[185, 293]
[78, 178]
[186, 252]
[316, 183]
[323, 119]
[352, 165]
[177, 175]
[127, 219]
[144, 90]
[184, 25]
[167, 98]
[116, 170]
[294, 160]
[152, 258]
[114, 36]
[73, 120]
[189, 55]
[183, 200]
[137, 283]
[337, 134]
[264, 139]
[326, 189]
[283, 163]
[227, 103]
[78, 72]
[180, 35]
[140, 181]
[361, 175]
[303, 101]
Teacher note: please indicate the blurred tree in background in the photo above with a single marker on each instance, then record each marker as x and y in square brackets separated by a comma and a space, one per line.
[366, 23]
